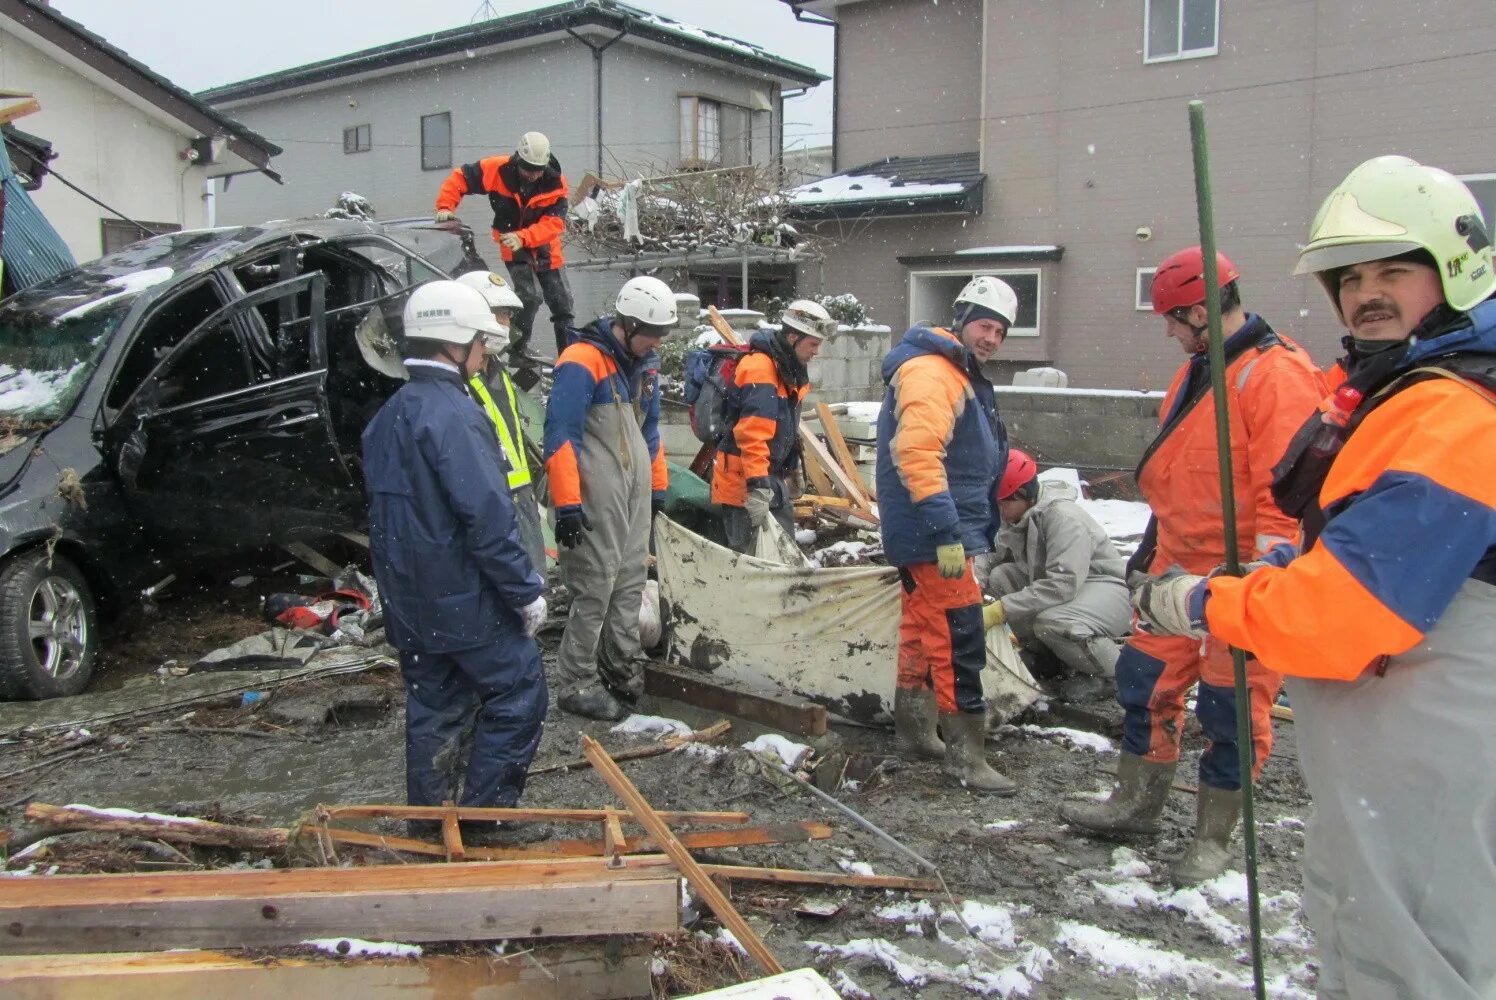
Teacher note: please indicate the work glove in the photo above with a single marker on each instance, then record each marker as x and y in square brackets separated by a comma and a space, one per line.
[951, 560]
[757, 506]
[1136, 578]
[1278, 556]
[569, 528]
[511, 241]
[993, 615]
[445, 215]
[533, 615]
[1172, 604]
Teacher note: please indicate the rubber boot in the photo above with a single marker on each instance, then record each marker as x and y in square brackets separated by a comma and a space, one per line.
[914, 724]
[1135, 805]
[966, 756]
[593, 703]
[1216, 812]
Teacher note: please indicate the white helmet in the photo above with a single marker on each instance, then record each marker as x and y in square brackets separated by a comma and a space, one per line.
[448, 311]
[985, 295]
[808, 317]
[494, 288]
[535, 149]
[647, 302]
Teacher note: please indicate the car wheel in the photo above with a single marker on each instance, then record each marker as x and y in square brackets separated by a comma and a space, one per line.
[47, 627]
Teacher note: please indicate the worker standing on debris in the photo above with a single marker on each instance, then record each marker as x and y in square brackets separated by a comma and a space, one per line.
[941, 452]
[1058, 579]
[761, 446]
[607, 473]
[461, 601]
[1386, 622]
[494, 391]
[528, 193]
[1272, 385]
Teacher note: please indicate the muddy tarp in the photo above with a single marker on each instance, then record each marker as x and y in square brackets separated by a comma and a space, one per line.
[827, 635]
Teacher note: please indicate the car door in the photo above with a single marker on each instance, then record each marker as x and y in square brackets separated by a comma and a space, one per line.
[216, 454]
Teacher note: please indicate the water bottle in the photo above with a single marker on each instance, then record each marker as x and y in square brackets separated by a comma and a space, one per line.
[1330, 433]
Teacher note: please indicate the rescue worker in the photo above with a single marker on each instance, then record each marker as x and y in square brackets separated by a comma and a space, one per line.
[528, 192]
[1386, 622]
[761, 447]
[607, 474]
[1271, 386]
[494, 390]
[941, 451]
[1058, 579]
[461, 601]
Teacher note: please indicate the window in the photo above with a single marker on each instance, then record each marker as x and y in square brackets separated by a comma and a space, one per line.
[932, 292]
[700, 130]
[1180, 29]
[1483, 186]
[357, 139]
[167, 325]
[436, 141]
[116, 234]
[1143, 293]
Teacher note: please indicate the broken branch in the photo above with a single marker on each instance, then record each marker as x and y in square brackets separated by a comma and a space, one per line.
[178, 829]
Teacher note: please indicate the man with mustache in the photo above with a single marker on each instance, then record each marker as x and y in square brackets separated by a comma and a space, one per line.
[1271, 387]
[1385, 624]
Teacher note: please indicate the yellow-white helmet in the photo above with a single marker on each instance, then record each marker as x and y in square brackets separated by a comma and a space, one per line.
[494, 288]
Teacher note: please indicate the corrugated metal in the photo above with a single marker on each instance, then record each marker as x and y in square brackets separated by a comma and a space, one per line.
[32, 249]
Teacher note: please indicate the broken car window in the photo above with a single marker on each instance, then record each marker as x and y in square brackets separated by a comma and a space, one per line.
[162, 330]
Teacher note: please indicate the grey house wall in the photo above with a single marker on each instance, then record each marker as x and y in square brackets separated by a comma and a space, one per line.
[493, 98]
[1083, 144]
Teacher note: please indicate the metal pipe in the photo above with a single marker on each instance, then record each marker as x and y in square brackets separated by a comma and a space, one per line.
[857, 818]
[597, 82]
[1205, 205]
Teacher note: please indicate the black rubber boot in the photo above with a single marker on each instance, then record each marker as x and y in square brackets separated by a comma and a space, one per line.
[1135, 805]
[593, 703]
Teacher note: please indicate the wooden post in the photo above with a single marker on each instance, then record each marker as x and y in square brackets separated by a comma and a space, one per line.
[843, 453]
[663, 836]
[723, 328]
[452, 834]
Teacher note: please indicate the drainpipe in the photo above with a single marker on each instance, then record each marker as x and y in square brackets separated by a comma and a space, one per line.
[807, 17]
[597, 85]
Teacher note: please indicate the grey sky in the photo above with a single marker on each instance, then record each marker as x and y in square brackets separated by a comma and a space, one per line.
[199, 44]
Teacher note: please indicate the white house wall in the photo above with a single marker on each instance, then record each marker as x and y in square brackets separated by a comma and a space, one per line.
[107, 147]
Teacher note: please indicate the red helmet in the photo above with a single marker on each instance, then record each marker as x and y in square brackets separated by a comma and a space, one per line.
[1020, 472]
[1179, 281]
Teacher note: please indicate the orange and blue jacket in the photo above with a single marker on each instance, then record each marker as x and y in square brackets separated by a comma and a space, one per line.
[941, 449]
[763, 436]
[1272, 386]
[536, 213]
[1410, 514]
[596, 370]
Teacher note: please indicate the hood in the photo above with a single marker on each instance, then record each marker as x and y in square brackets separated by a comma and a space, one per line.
[600, 334]
[791, 371]
[1478, 337]
[926, 340]
[1051, 490]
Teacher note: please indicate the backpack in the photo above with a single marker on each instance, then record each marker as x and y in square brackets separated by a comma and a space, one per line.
[709, 388]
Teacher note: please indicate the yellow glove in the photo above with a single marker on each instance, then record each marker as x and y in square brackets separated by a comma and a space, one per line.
[512, 241]
[951, 559]
[445, 215]
[993, 615]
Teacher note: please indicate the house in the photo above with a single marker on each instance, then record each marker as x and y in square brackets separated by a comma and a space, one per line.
[119, 151]
[1049, 143]
[619, 92]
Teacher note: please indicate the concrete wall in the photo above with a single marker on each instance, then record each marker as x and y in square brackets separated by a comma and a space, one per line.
[1083, 144]
[1094, 430]
[122, 154]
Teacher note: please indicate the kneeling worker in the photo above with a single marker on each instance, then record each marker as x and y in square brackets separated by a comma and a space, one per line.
[1058, 578]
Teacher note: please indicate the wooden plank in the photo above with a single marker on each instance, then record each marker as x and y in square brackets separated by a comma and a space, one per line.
[694, 688]
[793, 876]
[844, 455]
[614, 843]
[819, 478]
[452, 846]
[813, 447]
[521, 815]
[751, 836]
[563, 972]
[313, 558]
[700, 880]
[20, 110]
[724, 329]
[263, 909]
[1282, 712]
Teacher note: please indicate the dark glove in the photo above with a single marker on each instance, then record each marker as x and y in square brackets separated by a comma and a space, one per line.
[569, 528]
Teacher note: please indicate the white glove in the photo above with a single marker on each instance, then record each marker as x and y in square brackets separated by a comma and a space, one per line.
[1172, 604]
[445, 215]
[757, 506]
[512, 241]
[533, 616]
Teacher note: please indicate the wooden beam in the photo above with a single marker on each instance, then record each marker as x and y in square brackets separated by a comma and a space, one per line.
[177, 829]
[793, 876]
[819, 478]
[844, 454]
[28, 105]
[814, 448]
[263, 909]
[1282, 712]
[724, 329]
[694, 688]
[662, 834]
[313, 558]
[615, 846]
[520, 815]
[452, 847]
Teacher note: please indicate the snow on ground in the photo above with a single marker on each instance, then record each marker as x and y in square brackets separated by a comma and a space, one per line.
[356, 948]
[864, 187]
[976, 976]
[1119, 953]
[1080, 739]
[774, 745]
[651, 725]
[854, 867]
[862, 410]
[1004, 825]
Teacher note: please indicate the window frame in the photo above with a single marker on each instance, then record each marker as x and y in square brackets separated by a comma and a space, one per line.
[694, 157]
[426, 163]
[1180, 52]
[110, 227]
[363, 138]
[1138, 301]
[1034, 332]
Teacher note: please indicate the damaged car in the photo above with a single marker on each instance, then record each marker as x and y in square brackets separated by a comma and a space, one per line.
[191, 395]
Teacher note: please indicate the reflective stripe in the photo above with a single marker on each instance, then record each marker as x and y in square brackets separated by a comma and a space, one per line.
[519, 467]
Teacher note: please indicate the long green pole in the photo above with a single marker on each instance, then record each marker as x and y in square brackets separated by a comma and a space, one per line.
[1204, 203]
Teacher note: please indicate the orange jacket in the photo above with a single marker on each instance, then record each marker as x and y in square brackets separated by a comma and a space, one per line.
[1272, 387]
[764, 438]
[537, 217]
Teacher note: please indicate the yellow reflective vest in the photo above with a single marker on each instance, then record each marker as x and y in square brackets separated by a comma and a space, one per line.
[511, 438]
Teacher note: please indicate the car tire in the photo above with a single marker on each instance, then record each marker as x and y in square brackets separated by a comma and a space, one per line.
[48, 627]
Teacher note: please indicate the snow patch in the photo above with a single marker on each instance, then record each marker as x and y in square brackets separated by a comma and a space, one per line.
[849, 990]
[25, 389]
[1080, 739]
[774, 745]
[1127, 863]
[1227, 887]
[865, 187]
[357, 948]
[125, 284]
[1191, 902]
[989, 922]
[1014, 980]
[651, 725]
[1117, 953]
[906, 911]
[854, 867]
[1004, 825]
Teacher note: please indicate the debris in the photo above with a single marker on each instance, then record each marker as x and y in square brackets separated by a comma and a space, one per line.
[177, 829]
[356, 948]
[242, 581]
[650, 725]
[776, 746]
[70, 488]
[818, 906]
[1080, 739]
[678, 741]
[695, 688]
[864, 496]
